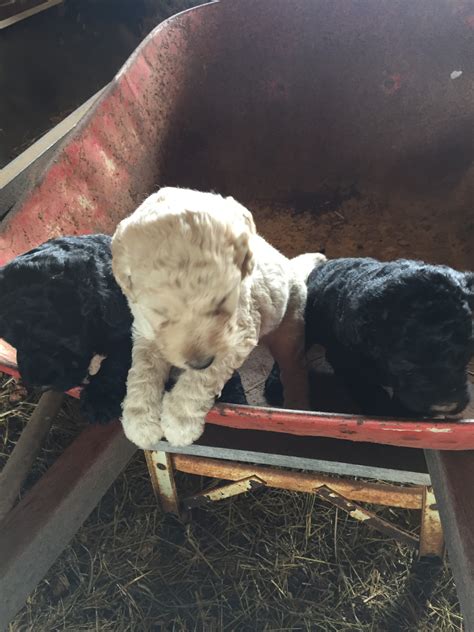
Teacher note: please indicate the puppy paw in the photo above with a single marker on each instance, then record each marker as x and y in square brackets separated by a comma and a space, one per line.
[233, 392]
[180, 427]
[142, 427]
[101, 412]
[98, 407]
[183, 432]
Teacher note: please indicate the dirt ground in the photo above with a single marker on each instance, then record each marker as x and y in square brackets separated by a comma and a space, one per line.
[267, 560]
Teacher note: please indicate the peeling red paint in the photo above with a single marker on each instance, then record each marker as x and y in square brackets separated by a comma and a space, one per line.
[455, 435]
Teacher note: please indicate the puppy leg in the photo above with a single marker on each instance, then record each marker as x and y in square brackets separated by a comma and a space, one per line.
[288, 381]
[145, 386]
[287, 346]
[233, 391]
[101, 399]
[273, 389]
[194, 394]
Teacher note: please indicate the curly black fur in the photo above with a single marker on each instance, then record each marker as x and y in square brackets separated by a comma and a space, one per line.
[59, 306]
[403, 324]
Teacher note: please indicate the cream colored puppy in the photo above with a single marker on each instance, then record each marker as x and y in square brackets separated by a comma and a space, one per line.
[203, 288]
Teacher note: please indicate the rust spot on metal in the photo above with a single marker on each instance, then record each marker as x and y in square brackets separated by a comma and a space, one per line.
[366, 516]
[431, 532]
[160, 468]
[322, 201]
[392, 83]
[246, 484]
[361, 491]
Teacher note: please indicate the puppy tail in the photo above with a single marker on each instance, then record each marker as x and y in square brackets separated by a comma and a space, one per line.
[303, 265]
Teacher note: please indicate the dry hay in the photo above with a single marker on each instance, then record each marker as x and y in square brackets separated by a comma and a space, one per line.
[267, 560]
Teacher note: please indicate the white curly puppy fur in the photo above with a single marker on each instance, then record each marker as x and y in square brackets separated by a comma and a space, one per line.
[203, 288]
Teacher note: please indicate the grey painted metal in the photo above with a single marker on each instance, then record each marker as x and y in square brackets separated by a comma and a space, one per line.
[313, 465]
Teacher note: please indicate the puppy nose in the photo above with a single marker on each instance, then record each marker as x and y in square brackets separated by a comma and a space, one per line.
[201, 363]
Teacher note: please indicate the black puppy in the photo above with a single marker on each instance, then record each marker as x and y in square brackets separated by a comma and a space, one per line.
[60, 307]
[402, 324]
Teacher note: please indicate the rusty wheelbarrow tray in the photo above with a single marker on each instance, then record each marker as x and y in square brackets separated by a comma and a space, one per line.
[342, 127]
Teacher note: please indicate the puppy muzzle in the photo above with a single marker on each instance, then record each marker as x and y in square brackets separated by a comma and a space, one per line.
[200, 363]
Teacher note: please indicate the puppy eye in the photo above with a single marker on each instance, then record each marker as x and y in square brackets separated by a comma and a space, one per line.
[168, 321]
[218, 310]
[159, 314]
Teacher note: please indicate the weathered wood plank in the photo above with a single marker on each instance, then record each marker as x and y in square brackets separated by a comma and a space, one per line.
[37, 530]
[452, 475]
[27, 447]
[17, 11]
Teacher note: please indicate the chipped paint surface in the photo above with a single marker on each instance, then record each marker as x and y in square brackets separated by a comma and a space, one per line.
[431, 534]
[109, 163]
[407, 429]
[161, 472]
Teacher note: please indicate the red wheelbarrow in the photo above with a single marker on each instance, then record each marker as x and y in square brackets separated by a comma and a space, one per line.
[343, 128]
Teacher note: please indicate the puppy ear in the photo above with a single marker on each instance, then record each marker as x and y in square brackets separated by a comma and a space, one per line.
[245, 214]
[244, 258]
[243, 252]
[120, 265]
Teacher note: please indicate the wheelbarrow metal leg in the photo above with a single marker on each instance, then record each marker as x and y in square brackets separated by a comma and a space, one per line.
[367, 517]
[224, 491]
[431, 533]
[160, 467]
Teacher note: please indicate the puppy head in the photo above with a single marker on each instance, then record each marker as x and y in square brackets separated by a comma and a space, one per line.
[45, 358]
[60, 366]
[52, 349]
[181, 260]
[429, 331]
